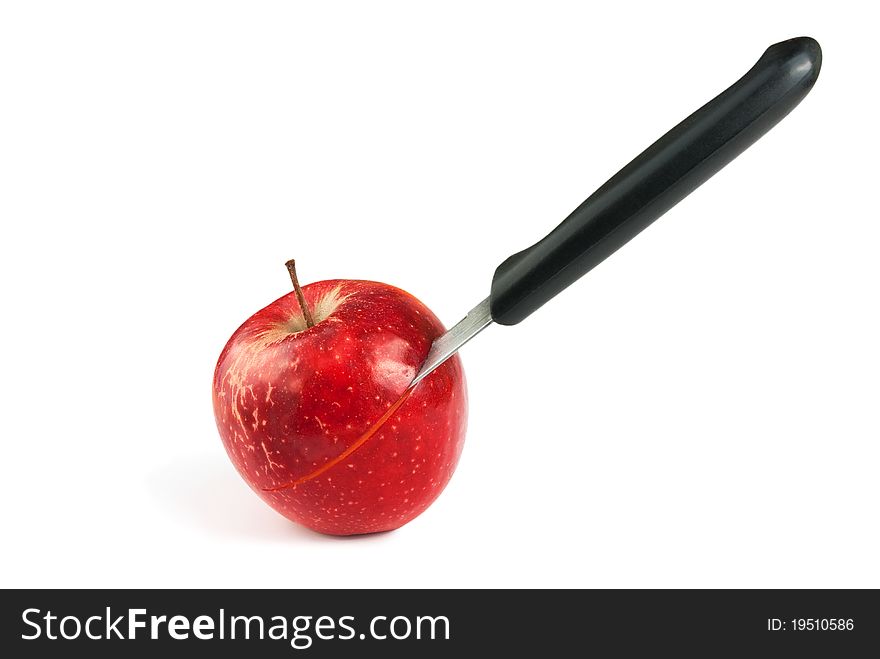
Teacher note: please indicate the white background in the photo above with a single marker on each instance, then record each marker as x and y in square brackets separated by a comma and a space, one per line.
[701, 410]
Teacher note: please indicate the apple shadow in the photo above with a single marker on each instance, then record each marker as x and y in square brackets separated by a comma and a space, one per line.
[204, 490]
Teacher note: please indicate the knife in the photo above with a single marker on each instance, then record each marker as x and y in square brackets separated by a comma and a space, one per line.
[661, 176]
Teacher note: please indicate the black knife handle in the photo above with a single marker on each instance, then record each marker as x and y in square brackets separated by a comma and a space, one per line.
[664, 174]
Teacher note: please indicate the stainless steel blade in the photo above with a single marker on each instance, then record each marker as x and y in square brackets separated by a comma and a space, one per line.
[478, 319]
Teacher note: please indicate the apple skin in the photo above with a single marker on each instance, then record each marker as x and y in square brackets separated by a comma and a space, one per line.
[320, 421]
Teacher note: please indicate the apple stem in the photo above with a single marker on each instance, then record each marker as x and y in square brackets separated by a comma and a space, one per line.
[304, 307]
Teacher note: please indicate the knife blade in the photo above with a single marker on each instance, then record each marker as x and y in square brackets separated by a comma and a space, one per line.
[446, 345]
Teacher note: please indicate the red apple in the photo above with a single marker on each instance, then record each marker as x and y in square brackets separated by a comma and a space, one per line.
[320, 421]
